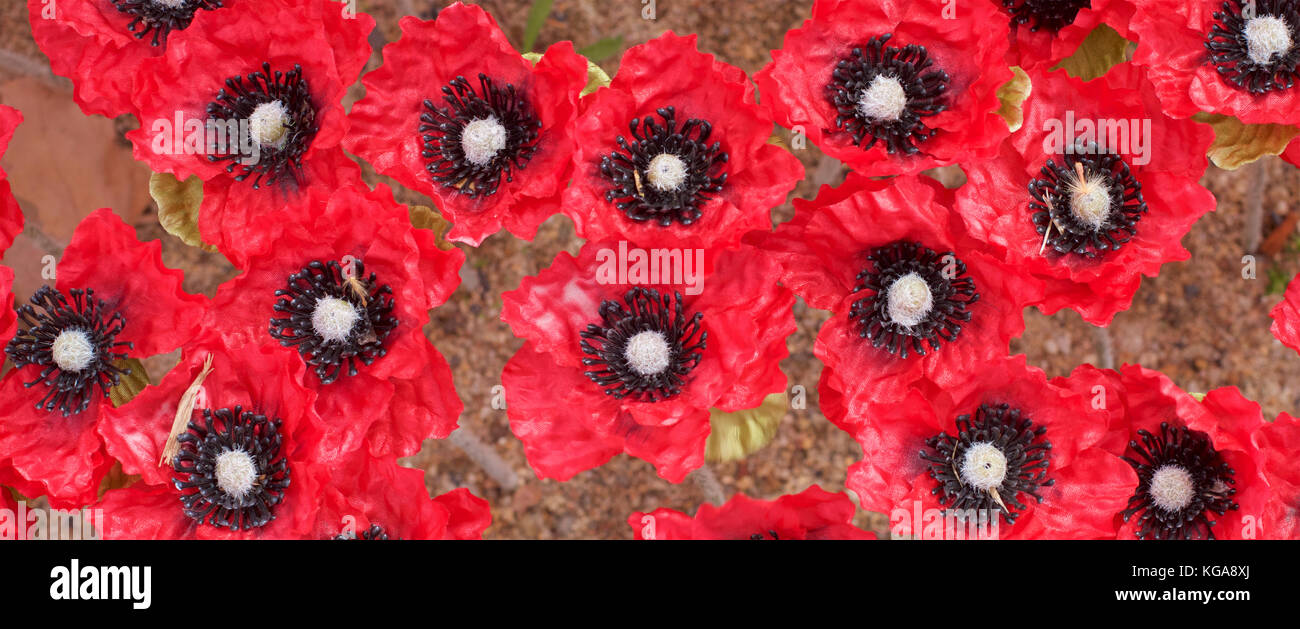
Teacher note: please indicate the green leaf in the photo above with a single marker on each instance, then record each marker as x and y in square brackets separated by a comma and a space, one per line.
[1197, 396]
[1100, 51]
[734, 436]
[1012, 94]
[602, 49]
[131, 384]
[178, 207]
[1236, 144]
[536, 18]
[424, 217]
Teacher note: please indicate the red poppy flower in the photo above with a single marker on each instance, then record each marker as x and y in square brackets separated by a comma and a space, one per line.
[675, 152]
[1278, 442]
[1130, 176]
[996, 447]
[913, 298]
[632, 362]
[1045, 32]
[11, 216]
[1237, 57]
[113, 299]
[457, 114]
[251, 103]
[1195, 471]
[813, 513]
[892, 87]
[1286, 317]
[368, 498]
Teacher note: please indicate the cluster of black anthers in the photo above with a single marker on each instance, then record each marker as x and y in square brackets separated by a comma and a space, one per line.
[951, 290]
[628, 169]
[161, 18]
[375, 532]
[441, 130]
[246, 434]
[239, 99]
[1052, 209]
[758, 537]
[70, 391]
[1229, 47]
[925, 87]
[1016, 437]
[373, 303]
[1211, 478]
[643, 310]
[1045, 15]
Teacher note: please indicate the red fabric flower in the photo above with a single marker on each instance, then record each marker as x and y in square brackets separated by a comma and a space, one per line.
[483, 181]
[1188, 460]
[693, 168]
[61, 455]
[813, 513]
[1249, 73]
[926, 116]
[1278, 443]
[1286, 317]
[663, 357]
[1102, 268]
[916, 300]
[289, 63]
[981, 432]
[368, 498]
[11, 216]
[1044, 33]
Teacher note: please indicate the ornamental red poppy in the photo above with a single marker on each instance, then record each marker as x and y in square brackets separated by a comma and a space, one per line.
[1195, 470]
[675, 152]
[997, 449]
[113, 300]
[1286, 317]
[373, 499]
[457, 114]
[1278, 442]
[11, 216]
[813, 513]
[243, 463]
[1095, 191]
[627, 349]
[346, 291]
[1045, 32]
[251, 103]
[913, 298]
[892, 88]
[1234, 57]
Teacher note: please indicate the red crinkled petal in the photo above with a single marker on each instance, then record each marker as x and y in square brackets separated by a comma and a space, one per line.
[793, 85]
[995, 200]
[1172, 35]
[105, 256]
[812, 514]
[670, 71]
[8, 317]
[1292, 153]
[466, 41]
[1278, 443]
[1042, 50]
[11, 216]
[1286, 317]
[470, 515]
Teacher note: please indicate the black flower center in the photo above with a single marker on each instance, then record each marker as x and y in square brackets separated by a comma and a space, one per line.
[334, 318]
[645, 347]
[1045, 15]
[1182, 479]
[161, 17]
[1253, 44]
[1088, 203]
[375, 532]
[667, 173]
[277, 110]
[995, 457]
[760, 537]
[919, 297]
[479, 137]
[74, 342]
[230, 470]
[884, 93]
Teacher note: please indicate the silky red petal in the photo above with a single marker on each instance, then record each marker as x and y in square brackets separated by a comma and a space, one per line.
[1278, 442]
[811, 514]
[366, 491]
[469, 514]
[1045, 49]
[1286, 317]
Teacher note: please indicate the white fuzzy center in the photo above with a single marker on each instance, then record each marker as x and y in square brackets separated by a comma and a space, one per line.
[482, 139]
[909, 300]
[984, 466]
[884, 99]
[1267, 36]
[1090, 200]
[236, 473]
[333, 318]
[666, 172]
[268, 123]
[1172, 488]
[72, 350]
[647, 352]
